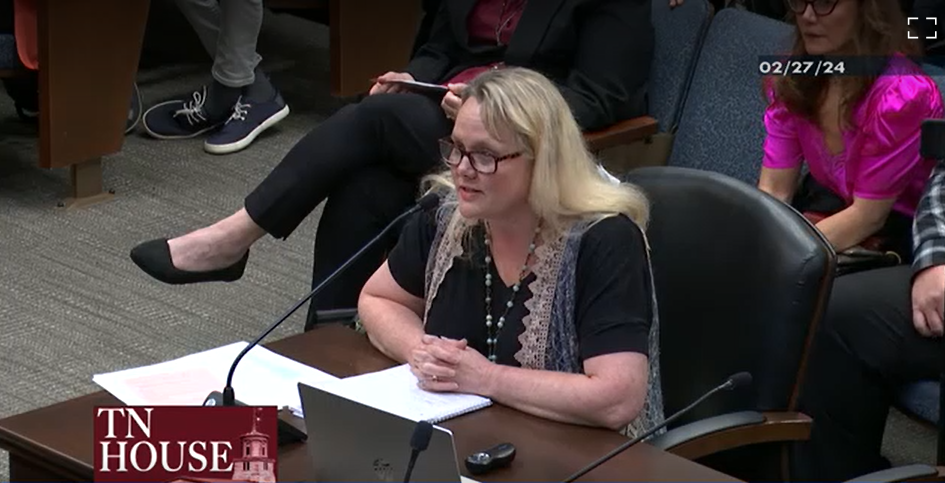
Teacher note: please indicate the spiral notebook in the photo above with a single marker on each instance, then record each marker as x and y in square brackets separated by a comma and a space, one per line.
[395, 391]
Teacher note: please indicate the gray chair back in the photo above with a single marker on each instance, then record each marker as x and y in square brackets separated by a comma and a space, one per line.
[679, 33]
[721, 127]
[8, 56]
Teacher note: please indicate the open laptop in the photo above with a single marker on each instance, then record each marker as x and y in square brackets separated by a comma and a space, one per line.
[351, 442]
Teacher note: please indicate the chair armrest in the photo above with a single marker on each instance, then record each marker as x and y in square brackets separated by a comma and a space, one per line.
[704, 427]
[336, 315]
[622, 133]
[733, 430]
[899, 473]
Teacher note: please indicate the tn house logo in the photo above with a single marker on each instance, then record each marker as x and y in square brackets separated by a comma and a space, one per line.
[934, 20]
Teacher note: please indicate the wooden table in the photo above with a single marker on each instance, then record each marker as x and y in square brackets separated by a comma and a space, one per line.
[55, 443]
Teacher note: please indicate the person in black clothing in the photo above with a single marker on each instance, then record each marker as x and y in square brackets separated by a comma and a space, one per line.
[367, 158]
[882, 331]
[521, 286]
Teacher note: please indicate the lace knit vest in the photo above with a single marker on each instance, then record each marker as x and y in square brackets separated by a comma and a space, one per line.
[550, 339]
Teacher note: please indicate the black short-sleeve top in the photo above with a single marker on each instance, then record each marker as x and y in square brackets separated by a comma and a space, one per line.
[613, 298]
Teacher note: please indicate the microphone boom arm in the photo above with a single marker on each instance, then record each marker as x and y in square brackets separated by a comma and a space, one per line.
[229, 398]
[736, 380]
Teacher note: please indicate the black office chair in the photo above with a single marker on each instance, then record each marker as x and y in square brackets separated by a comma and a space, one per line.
[347, 317]
[741, 281]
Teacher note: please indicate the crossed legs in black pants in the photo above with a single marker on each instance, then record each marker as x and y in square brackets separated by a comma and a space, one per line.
[354, 214]
[864, 352]
[384, 137]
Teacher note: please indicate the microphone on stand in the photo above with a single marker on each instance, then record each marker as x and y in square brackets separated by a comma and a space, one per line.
[419, 442]
[288, 432]
[734, 381]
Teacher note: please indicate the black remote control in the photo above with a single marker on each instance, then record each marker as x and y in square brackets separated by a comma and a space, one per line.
[490, 459]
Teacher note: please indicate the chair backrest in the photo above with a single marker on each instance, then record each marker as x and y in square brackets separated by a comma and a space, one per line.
[8, 55]
[741, 280]
[678, 34]
[721, 127]
[937, 73]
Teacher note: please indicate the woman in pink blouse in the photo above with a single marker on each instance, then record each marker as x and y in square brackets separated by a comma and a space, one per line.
[858, 135]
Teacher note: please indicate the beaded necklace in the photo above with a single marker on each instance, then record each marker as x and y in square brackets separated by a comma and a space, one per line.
[493, 329]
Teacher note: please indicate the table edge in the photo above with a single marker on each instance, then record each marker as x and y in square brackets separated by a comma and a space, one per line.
[16, 444]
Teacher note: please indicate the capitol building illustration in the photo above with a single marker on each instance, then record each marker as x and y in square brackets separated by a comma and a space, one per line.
[254, 466]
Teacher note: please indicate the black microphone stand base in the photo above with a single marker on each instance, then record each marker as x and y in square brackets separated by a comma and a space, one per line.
[290, 428]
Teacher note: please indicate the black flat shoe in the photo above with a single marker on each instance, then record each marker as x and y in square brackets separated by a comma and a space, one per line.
[154, 257]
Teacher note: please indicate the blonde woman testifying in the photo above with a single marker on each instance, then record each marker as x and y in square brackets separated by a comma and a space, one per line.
[530, 284]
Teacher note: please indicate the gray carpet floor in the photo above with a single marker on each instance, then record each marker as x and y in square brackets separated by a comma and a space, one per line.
[72, 304]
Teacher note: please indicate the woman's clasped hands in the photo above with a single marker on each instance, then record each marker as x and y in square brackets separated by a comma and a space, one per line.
[447, 365]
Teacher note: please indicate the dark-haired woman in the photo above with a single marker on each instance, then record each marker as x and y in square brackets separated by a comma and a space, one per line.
[858, 134]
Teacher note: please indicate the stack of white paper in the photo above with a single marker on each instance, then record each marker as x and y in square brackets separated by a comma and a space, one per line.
[395, 391]
[262, 378]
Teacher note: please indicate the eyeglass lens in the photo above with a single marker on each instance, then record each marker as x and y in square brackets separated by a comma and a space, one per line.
[453, 155]
[821, 7]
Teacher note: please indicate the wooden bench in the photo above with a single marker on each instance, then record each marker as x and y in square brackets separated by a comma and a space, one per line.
[621, 134]
[88, 55]
[367, 37]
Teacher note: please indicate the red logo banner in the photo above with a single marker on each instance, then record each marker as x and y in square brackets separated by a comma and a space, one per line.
[191, 444]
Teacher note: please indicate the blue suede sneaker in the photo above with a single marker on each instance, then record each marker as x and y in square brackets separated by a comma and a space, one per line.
[181, 119]
[249, 120]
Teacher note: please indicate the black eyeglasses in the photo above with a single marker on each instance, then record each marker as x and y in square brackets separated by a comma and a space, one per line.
[821, 7]
[484, 163]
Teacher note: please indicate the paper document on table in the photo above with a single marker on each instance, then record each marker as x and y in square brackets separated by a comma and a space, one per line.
[262, 378]
[169, 386]
[395, 391]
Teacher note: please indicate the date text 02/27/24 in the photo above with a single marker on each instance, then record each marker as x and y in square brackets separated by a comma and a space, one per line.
[802, 66]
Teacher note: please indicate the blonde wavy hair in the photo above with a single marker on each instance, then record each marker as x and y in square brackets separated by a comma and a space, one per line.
[566, 183]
